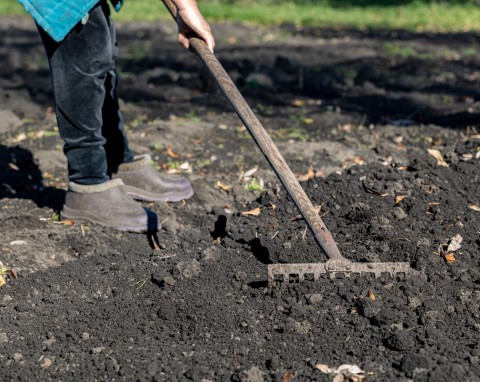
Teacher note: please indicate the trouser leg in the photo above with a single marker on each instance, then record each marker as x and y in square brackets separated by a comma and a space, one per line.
[84, 84]
[116, 146]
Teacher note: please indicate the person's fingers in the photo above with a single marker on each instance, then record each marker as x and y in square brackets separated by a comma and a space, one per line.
[182, 39]
[190, 21]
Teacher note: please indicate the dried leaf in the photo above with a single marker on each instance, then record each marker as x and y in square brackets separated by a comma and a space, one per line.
[371, 295]
[323, 368]
[222, 186]
[13, 166]
[399, 198]
[67, 222]
[298, 103]
[287, 377]
[11, 273]
[185, 166]
[217, 241]
[250, 172]
[474, 207]
[438, 156]
[254, 212]
[309, 175]
[2, 281]
[450, 258]
[272, 206]
[171, 153]
[466, 157]
[454, 244]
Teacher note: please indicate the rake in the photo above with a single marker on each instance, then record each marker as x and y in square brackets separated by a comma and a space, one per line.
[336, 264]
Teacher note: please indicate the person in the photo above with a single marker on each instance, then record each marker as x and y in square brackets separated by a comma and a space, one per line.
[104, 175]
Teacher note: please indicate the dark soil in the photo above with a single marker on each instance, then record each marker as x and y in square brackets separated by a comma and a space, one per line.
[360, 109]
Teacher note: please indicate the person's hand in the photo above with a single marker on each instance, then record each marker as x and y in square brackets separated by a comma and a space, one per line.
[190, 21]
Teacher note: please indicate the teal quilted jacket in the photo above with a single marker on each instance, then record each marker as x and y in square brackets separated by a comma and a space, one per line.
[58, 17]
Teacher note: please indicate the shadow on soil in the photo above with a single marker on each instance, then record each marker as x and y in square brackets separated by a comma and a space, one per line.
[21, 178]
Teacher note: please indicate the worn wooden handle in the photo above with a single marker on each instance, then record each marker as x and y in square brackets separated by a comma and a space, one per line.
[322, 235]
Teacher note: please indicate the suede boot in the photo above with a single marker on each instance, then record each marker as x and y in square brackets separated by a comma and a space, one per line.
[109, 205]
[143, 182]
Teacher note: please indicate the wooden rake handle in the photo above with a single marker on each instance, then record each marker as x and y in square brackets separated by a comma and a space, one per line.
[322, 235]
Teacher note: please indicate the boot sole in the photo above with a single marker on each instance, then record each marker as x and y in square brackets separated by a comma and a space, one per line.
[146, 196]
[85, 217]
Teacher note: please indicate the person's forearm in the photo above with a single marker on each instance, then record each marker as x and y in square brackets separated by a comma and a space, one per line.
[183, 4]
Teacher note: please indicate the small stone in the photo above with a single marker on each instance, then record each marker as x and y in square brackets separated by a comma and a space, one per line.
[45, 363]
[423, 242]
[3, 337]
[315, 298]
[287, 245]
[210, 254]
[98, 349]
[430, 317]
[85, 336]
[189, 268]
[17, 357]
[399, 213]
[169, 280]
[49, 342]
[414, 302]
[240, 276]
[254, 374]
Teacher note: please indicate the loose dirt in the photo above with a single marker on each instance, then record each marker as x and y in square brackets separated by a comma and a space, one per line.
[382, 126]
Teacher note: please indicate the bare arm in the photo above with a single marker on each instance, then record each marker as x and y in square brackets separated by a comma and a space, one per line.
[190, 20]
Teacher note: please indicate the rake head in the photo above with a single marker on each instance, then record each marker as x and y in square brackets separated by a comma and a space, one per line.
[335, 269]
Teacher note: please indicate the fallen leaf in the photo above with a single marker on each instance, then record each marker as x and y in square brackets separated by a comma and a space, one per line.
[217, 241]
[250, 172]
[309, 175]
[171, 153]
[466, 157]
[67, 222]
[2, 281]
[298, 103]
[438, 156]
[272, 206]
[308, 121]
[11, 273]
[454, 244]
[450, 258]
[344, 373]
[13, 166]
[474, 207]
[371, 295]
[185, 166]
[254, 212]
[222, 186]
[323, 368]
[287, 377]
[18, 242]
[399, 198]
